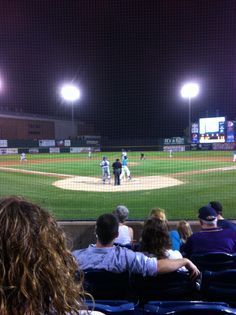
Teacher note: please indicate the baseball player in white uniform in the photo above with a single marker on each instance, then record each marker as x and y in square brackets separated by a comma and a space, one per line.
[125, 170]
[105, 170]
[23, 157]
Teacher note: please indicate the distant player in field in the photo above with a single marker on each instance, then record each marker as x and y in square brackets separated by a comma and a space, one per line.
[89, 153]
[142, 157]
[234, 159]
[170, 153]
[125, 170]
[105, 170]
[23, 157]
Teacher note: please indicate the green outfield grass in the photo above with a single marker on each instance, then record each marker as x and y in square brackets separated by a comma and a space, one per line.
[180, 202]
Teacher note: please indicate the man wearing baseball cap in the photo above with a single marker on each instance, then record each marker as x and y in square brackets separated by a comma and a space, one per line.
[211, 238]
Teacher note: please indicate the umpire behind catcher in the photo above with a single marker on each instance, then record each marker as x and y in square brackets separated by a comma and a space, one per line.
[117, 167]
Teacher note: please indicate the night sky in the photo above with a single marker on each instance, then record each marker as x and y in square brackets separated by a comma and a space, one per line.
[129, 57]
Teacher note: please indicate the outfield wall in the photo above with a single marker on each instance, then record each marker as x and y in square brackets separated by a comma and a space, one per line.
[48, 146]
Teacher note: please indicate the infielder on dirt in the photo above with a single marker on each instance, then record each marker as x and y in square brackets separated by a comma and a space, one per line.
[125, 170]
[105, 170]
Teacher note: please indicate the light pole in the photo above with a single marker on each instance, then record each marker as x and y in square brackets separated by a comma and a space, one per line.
[189, 90]
[70, 93]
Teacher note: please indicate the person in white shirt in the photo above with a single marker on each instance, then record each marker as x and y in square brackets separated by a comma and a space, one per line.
[126, 233]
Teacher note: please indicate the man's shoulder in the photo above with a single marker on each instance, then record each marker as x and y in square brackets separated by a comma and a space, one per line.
[226, 224]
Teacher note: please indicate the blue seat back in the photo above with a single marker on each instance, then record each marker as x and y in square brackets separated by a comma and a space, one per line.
[104, 284]
[219, 285]
[187, 308]
[214, 261]
[119, 307]
[174, 286]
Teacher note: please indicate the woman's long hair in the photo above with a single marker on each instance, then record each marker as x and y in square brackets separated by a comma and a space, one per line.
[184, 229]
[37, 271]
[155, 238]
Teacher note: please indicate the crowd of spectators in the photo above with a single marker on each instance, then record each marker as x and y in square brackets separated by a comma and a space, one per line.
[37, 270]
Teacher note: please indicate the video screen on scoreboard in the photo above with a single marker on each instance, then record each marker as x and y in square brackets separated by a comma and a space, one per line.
[212, 130]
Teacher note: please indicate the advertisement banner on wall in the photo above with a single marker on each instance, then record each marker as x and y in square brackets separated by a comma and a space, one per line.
[76, 150]
[54, 150]
[47, 143]
[173, 140]
[3, 143]
[230, 132]
[63, 143]
[67, 143]
[8, 151]
[33, 150]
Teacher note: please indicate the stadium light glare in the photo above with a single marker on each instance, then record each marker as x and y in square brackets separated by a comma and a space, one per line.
[189, 91]
[70, 93]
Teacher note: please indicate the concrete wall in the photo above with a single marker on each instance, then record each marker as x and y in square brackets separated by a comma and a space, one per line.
[81, 233]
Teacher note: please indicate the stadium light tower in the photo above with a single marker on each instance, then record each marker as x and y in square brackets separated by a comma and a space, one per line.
[189, 91]
[70, 93]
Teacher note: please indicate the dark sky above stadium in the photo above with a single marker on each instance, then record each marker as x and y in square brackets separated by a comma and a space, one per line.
[129, 57]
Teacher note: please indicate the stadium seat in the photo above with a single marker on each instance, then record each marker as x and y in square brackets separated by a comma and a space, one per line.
[119, 307]
[174, 286]
[187, 308]
[108, 285]
[214, 261]
[219, 286]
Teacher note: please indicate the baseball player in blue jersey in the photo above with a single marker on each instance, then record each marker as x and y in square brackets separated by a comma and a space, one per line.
[125, 170]
[123, 154]
[105, 170]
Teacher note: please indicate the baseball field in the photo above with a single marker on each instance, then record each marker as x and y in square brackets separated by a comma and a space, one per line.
[70, 185]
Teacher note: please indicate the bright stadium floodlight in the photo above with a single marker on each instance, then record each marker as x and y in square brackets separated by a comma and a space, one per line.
[189, 91]
[70, 93]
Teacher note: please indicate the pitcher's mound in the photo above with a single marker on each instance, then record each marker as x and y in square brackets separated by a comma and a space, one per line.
[83, 183]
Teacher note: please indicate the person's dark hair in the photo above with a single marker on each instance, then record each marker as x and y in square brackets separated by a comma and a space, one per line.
[155, 238]
[107, 228]
[37, 271]
[217, 206]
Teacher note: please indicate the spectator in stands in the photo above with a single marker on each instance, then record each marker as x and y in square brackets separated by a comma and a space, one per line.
[155, 240]
[36, 269]
[184, 230]
[126, 234]
[174, 235]
[103, 255]
[221, 222]
[211, 238]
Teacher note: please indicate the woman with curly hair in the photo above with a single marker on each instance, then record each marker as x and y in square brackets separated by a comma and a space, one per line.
[155, 240]
[37, 271]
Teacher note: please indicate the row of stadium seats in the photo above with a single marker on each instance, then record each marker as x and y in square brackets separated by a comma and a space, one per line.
[213, 286]
[109, 307]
